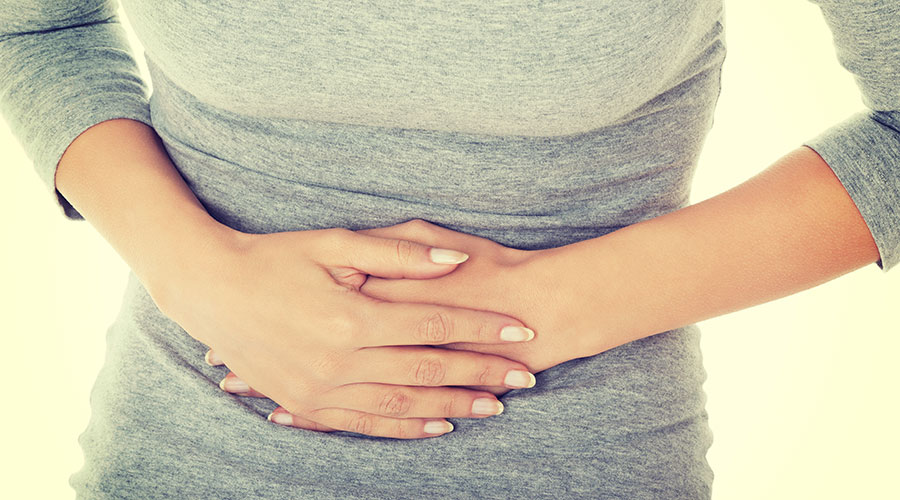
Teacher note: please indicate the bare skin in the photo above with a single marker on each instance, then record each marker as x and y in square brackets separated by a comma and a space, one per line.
[788, 229]
[332, 356]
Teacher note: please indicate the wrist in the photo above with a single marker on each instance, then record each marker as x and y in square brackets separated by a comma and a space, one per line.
[196, 250]
[583, 285]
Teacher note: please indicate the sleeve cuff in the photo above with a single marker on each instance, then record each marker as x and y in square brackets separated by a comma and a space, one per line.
[55, 83]
[864, 153]
[90, 113]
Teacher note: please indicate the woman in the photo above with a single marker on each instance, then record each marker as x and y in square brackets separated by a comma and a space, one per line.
[655, 437]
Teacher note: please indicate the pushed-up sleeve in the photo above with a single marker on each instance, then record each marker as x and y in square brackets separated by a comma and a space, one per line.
[864, 151]
[65, 65]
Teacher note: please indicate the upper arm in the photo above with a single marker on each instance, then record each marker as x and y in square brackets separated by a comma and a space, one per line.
[864, 151]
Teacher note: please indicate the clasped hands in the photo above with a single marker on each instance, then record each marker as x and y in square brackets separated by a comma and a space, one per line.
[384, 332]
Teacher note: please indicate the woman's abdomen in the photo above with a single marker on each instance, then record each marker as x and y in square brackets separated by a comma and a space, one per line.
[267, 175]
[627, 423]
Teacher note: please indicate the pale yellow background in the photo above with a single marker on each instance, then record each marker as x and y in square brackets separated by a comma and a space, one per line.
[802, 392]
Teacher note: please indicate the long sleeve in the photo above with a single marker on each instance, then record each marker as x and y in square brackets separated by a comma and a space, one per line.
[864, 151]
[64, 67]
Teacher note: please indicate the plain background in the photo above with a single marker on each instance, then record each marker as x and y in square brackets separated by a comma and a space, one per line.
[802, 391]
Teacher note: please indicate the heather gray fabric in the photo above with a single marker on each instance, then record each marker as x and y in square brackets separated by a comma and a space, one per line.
[532, 123]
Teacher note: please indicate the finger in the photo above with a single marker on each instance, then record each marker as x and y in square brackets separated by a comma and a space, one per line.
[213, 359]
[413, 402]
[427, 324]
[283, 417]
[235, 385]
[416, 230]
[429, 366]
[378, 426]
[393, 258]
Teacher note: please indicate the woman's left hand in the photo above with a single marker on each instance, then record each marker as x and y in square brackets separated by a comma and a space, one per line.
[522, 284]
[495, 278]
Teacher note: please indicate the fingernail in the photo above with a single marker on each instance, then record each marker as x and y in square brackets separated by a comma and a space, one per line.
[212, 359]
[519, 379]
[516, 334]
[281, 418]
[444, 256]
[487, 406]
[438, 427]
[233, 384]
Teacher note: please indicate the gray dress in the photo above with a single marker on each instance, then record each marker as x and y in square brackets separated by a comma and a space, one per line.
[532, 123]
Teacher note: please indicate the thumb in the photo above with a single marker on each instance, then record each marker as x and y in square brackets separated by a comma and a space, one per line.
[397, 258]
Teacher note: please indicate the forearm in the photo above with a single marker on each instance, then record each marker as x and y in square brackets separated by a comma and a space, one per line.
[788, 229]
[118, 175]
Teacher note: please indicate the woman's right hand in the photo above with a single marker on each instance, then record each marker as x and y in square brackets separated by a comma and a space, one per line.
[285, 314]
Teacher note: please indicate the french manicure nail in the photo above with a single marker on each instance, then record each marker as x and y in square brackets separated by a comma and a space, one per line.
[234, 384]
[516, 334]
[281, 418]
[438, 427]
[444, 256]
[519, 379]
[212, 359]
[487, 406]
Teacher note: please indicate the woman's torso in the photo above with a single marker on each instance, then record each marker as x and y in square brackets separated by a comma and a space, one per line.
[535, 124]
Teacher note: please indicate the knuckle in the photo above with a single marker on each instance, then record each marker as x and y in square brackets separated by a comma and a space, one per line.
[394, 403]
[448, 405]
[338, 235]
[419, 228]
[401, 431]
[484, 375]
[361, 424]
[343, 329]
[484, 333]
[404, 251]
[423, 226]
[435, 328]
[429, 371]
[335, 240]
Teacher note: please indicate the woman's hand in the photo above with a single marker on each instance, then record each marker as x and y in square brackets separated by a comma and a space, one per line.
[519, 283]
[523, 284]
[285, 313]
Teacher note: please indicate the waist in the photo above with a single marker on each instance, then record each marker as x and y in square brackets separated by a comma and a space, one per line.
[267, 175]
